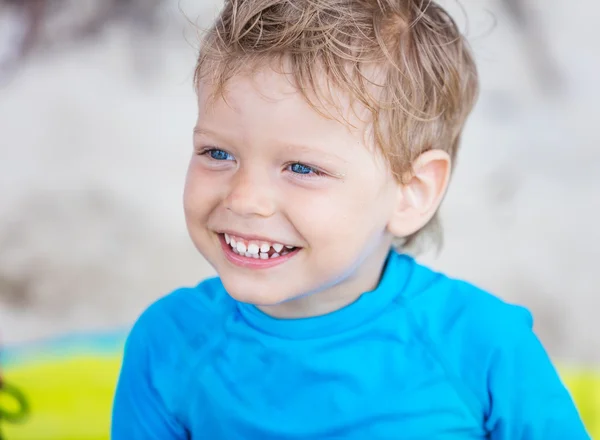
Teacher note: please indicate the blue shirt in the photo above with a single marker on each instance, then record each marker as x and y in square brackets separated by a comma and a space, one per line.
[422, 357]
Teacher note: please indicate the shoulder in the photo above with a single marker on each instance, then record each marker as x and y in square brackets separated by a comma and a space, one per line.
[446, 307]
[208, 296]
[182, 316]
[468, 329]
[454, 306]
[171, 336]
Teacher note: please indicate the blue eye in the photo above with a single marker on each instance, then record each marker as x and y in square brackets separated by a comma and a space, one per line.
[217, 154]
[299, 168]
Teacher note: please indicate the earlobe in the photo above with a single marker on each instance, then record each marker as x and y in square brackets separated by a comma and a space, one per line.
[422, 193]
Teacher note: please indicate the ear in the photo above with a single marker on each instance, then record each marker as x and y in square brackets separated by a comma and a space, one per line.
[419, 198]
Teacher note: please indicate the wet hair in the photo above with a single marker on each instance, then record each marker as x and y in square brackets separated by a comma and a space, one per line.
[404, 61]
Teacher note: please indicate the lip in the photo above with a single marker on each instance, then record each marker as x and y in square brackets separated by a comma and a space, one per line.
[253, 263]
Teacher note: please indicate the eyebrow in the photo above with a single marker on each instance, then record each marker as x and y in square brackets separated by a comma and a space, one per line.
[308, 149]
[205, 131]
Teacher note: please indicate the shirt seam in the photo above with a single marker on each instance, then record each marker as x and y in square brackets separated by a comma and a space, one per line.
[464, 392]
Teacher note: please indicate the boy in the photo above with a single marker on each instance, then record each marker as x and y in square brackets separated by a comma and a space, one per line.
[326, 135]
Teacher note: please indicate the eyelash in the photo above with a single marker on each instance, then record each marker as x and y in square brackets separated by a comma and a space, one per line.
[312, 170]
[207, 152]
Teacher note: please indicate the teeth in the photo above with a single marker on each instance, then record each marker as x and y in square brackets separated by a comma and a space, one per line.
[253, 249]
[241, 247]
[278, 247]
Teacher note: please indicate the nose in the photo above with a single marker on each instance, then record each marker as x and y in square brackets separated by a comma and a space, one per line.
[251, 194]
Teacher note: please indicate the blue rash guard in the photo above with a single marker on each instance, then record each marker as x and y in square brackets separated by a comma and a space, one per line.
[422, 357]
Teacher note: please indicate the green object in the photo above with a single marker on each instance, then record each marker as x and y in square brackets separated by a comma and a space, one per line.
[19, 409]
[16, 410]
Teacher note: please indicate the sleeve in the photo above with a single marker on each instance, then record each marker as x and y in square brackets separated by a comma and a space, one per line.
[528, 401]
[139, 411]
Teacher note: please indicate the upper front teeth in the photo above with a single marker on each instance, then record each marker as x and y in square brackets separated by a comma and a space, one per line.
[241, 247]
[254, 248]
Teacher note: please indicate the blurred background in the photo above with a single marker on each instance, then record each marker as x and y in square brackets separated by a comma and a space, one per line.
[96, 113]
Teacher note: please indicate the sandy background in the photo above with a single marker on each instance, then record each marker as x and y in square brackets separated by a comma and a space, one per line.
[94, 139]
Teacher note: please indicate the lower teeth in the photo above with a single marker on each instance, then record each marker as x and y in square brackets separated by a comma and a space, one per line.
[262, 255]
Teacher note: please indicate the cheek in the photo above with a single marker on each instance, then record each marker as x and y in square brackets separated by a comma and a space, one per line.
[199, 191]
[344, 218]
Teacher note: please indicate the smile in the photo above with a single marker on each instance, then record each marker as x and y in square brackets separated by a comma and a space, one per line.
[256, 253]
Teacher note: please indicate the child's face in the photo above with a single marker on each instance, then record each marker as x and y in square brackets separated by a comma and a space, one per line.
[269, 170]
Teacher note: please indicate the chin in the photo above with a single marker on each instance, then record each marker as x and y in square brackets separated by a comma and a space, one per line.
[256, 293]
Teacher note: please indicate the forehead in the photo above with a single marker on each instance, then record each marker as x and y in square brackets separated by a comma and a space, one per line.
[266, 93]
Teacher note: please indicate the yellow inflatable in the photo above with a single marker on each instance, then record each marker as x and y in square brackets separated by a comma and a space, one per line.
[69, 386]
[584, 385]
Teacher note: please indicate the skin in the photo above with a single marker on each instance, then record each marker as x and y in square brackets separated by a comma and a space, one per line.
[267, 165]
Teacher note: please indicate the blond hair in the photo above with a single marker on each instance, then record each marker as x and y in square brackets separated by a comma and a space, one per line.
[426, 82]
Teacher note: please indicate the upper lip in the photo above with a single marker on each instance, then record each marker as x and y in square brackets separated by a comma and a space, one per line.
[253, 237]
